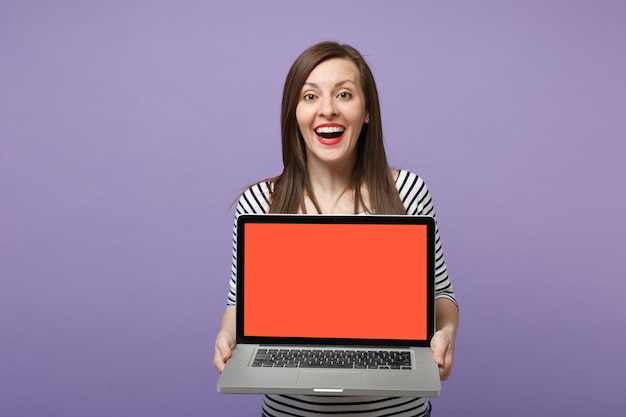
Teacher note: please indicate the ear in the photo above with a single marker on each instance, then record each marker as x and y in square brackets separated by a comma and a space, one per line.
[367, 118]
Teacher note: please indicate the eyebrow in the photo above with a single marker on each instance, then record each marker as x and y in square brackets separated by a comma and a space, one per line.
[337, 84]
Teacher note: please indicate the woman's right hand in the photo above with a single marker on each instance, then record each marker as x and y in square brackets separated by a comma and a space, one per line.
[224, 345]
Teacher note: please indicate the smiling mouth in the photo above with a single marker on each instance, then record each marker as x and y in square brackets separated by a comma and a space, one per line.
[330, 132]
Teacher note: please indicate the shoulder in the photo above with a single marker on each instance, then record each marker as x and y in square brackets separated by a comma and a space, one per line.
[256, 198]
[407, 181]
[413, 191]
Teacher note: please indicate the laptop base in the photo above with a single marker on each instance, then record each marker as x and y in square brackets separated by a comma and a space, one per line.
[423, 381]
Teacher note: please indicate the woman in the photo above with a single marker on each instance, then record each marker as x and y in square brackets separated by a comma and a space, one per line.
[335, 163]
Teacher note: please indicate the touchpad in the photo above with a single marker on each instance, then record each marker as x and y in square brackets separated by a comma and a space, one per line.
[329, 379]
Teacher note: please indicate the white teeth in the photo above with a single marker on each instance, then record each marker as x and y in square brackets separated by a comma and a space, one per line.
[329, 129]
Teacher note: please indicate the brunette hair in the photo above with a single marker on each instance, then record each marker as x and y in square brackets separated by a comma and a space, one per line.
[371, 168]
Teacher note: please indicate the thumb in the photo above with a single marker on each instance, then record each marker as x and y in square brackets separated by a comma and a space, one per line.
[439, 347]
[225, 352]
[224, 344]
[439, 359]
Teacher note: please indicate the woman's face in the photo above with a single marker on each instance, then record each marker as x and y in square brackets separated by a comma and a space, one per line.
[331, 112]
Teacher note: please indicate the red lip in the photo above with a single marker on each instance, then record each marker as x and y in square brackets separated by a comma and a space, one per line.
[333, 141]
[330, 141]
[329, 125]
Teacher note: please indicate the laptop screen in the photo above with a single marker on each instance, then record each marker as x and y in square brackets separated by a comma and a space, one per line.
[335, 277]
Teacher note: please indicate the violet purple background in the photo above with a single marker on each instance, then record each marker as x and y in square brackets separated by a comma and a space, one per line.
[127, 128]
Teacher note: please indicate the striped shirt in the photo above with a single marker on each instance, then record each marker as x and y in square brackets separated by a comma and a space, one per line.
[417, 201]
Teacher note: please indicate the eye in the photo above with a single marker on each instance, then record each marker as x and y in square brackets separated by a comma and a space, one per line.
[309, 97]
[344, 95]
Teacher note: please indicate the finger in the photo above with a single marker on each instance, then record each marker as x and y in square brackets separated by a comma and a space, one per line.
[444, 363]
[218, 363]
[446, 370]
[441, 364]
[223, 352]
[439, 347]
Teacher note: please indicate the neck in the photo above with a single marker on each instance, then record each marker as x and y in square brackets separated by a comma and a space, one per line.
[332, 188]
[330, 178]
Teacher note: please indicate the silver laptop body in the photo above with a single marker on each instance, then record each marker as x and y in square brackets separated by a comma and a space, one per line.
[334, 305]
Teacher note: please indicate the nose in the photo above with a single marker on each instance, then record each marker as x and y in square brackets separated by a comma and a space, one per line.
[328, 107]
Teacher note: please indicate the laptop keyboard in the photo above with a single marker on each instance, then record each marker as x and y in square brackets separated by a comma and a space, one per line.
[324, 358]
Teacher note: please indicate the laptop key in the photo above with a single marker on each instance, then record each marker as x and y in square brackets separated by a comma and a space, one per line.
[326, 365]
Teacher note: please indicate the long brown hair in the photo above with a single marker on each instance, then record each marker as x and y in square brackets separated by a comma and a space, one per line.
[371, 169]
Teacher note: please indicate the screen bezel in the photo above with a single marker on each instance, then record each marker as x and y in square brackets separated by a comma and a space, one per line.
[427, 221]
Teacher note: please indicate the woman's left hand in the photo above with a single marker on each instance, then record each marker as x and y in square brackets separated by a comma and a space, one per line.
[442, 345]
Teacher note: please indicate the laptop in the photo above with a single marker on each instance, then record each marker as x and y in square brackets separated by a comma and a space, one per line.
[334, 305]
